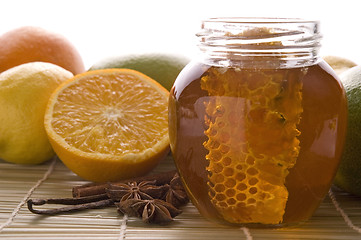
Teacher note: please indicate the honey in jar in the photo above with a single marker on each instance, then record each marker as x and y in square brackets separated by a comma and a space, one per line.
[257, 123]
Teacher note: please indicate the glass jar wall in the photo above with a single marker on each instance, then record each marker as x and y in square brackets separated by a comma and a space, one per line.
[257, 123]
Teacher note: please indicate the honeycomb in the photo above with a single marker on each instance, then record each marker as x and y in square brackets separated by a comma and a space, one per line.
[251, 118]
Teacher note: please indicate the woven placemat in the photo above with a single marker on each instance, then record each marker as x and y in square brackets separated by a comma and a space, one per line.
[339, 216]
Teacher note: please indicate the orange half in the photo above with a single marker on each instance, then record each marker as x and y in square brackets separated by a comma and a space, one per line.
[109, 124]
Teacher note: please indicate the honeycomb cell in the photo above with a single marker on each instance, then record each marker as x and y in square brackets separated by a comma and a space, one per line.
[217, 168]
[252, 181]
[241, 187]
[230, 183]
[228, 171]
[227, 161]
[225, 149]
[216, 156]
[220, 197]
[223, 204]
[253, 190]
[219, 188]
[240, 176]
[230, 192]
[239, 167]
[213, 144]
[241, 197]
[231, 201]
[219, 178]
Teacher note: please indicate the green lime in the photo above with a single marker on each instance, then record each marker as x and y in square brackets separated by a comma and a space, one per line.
[348, 176]
[164, 68]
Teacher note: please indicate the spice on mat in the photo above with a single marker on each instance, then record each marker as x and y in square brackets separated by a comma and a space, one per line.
[175, 194]
[77, 205]
[133, 190]
[151, 211]
[90, 189]
[155, 198]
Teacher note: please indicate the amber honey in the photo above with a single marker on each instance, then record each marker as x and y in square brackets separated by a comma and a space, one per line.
[257, 123]
[257, 145]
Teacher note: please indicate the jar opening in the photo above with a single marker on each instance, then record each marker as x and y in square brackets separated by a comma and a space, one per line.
[260, 42]
[255, 20]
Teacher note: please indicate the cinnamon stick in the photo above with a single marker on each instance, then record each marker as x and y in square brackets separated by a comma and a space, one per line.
[91, 189]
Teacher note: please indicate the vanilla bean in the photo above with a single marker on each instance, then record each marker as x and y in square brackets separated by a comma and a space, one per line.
[90, 189]
[77, 204]
[70, 201]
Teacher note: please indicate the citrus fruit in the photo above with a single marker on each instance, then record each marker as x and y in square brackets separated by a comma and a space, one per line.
[24, 94]
[163, 68]
[348, 175]
[339, 64]
[31, 44]
[109, 124]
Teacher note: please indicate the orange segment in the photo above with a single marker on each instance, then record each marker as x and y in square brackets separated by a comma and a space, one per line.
[109, 124]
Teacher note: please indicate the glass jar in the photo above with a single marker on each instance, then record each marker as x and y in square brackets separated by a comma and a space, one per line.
[257, 123]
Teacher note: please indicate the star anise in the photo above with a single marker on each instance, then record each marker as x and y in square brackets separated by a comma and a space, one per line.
[151, 211]
[133, 190]
[175, 194]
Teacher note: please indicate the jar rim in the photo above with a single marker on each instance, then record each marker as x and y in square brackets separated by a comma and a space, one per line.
[243, 41]
[260, 20]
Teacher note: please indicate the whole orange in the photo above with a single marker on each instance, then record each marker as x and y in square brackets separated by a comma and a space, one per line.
[30, 44]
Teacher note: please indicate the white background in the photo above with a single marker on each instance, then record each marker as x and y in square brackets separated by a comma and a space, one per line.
[103, 28]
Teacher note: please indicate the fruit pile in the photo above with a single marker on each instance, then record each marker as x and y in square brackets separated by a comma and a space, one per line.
[109, 120]
[105, 124]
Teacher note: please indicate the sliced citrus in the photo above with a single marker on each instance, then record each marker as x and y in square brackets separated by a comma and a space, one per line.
[109, 124]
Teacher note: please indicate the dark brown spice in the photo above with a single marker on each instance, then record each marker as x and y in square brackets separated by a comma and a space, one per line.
[175, 194]
[90, 189]
[151, 211]
[133, 190]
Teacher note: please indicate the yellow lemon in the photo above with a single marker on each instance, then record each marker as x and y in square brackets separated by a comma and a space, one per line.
[24, 93]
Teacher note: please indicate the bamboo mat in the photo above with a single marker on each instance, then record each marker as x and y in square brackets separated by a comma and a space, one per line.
[339, 216]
